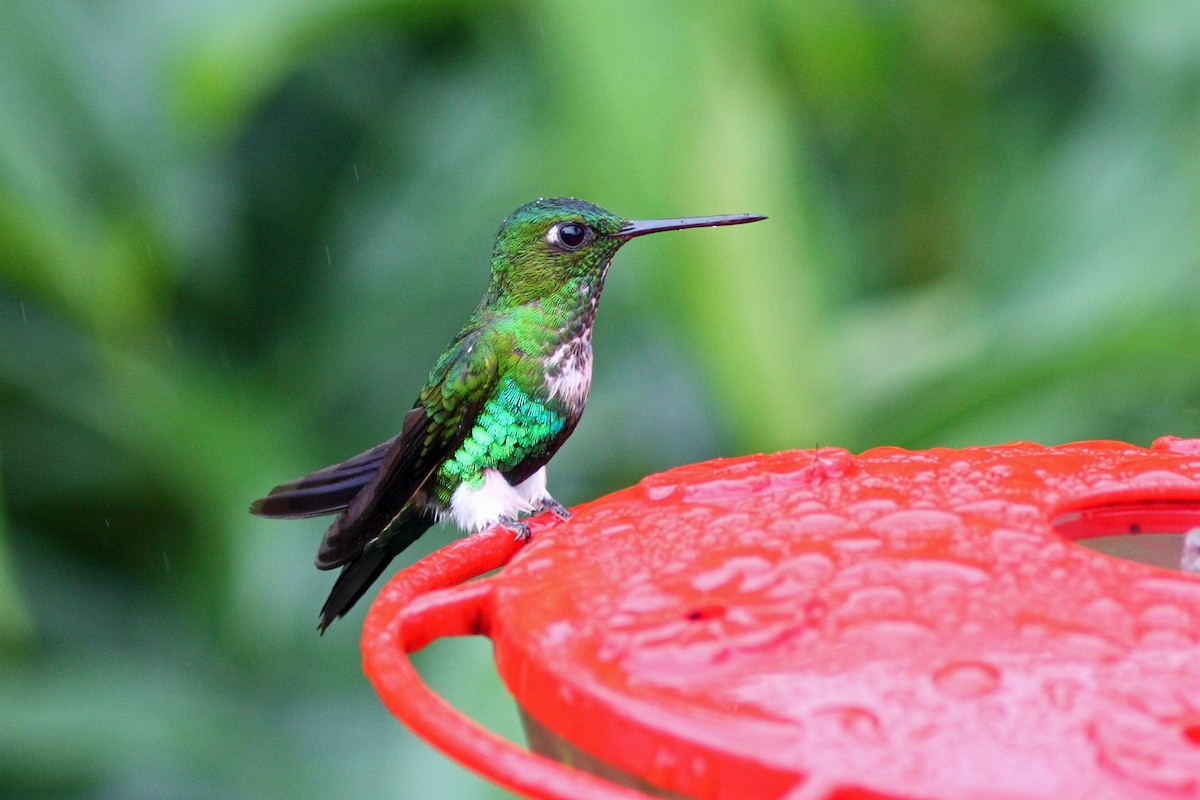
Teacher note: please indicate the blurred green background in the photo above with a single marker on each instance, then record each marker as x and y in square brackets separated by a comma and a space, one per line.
[235, 236]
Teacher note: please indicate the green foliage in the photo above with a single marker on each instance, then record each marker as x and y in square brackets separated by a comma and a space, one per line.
[234, 237]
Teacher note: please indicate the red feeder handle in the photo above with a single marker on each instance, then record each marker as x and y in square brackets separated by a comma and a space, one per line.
[436, 600]
[816, 624]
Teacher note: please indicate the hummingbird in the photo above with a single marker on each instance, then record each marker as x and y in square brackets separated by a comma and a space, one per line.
[498, 404]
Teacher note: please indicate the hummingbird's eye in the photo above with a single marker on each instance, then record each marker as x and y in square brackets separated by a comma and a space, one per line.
[569, 235]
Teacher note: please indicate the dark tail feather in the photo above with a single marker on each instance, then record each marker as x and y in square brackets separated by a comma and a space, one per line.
[324, 491]
[360, 572]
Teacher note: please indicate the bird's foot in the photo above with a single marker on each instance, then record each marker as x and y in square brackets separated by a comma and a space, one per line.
[556, 508]
[521, 529]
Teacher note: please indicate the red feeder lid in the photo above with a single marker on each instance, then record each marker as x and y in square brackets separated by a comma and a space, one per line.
[814, 624]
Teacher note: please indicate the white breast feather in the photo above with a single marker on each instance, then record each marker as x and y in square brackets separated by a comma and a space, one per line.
[569, 371]
[475, 509]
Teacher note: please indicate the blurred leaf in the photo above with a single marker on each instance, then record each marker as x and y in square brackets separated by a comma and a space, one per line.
[16, 625]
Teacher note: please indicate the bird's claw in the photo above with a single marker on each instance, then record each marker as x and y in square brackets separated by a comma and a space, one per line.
[521, 529]
[557, 509]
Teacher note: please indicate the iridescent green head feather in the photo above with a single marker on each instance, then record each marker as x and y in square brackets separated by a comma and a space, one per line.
[550, 244]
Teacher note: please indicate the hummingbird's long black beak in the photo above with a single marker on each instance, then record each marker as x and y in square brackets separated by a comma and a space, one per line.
[640, 227]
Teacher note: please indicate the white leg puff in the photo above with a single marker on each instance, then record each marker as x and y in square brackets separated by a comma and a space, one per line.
[476, 509]
[533, 490]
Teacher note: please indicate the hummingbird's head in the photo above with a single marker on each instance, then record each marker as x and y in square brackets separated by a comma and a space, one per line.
[551, 244]
[545, 245]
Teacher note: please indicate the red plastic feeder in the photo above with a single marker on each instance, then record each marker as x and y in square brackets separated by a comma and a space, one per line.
[814, 624]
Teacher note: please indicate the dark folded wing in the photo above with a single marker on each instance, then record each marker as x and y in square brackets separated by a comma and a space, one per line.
[433, 430]
[324, 491]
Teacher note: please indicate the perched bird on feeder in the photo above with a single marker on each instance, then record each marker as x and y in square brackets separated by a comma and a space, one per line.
[500, 401]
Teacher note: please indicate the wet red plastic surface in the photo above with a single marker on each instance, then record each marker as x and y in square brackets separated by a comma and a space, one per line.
[815, 624]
